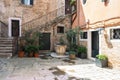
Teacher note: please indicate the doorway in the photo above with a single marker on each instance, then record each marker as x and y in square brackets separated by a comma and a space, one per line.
[95, 43]
[44, 41]
[14, 27]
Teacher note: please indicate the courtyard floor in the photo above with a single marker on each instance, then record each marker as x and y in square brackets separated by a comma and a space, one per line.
[54, 69]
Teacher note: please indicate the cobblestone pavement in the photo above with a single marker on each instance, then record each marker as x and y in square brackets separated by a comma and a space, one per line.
[47, 69]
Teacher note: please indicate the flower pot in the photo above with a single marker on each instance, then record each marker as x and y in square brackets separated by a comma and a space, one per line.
[36, 55]
[21, 54]
[101, 63]
[72, 56]
[30, 54]
[83, 55]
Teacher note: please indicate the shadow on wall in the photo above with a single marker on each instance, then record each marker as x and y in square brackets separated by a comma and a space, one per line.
[107, 40]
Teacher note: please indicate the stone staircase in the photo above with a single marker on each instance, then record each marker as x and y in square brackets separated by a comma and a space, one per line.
[6, 47]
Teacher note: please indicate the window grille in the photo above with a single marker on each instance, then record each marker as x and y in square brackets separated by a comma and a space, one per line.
[115, 33]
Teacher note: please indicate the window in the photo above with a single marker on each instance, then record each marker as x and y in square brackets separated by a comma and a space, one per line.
[83, 35]
[104, 0]
[115, 33]
[27, 2]
[60, 29]
[84, 1]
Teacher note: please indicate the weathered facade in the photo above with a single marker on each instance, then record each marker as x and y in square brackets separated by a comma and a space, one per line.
[100, 21]
[38, 15]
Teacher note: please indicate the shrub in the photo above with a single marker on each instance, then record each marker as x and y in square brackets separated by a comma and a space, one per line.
[101, 57]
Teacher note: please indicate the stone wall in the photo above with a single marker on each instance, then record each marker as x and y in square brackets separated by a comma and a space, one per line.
[14, 8]
[56, 36]
[111, 49]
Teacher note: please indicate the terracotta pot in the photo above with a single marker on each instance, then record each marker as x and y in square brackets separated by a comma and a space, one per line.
[21, 54]
[30, 54]
[72, 56]
[36, 55]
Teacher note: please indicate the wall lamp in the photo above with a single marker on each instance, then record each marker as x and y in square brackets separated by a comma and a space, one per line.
[99, 30]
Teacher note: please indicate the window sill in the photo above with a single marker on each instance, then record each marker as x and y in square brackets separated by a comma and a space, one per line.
[83, 39]
[114, 40]
[29, 6]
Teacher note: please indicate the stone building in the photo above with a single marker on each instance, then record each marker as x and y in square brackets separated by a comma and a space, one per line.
[49, 17]
[100, 24]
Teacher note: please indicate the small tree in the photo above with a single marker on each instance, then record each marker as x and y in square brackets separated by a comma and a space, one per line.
[71, 37]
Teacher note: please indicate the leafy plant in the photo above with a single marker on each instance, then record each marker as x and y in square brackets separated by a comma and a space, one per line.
[31, 48]
[101, 57]
[61, 41]
[82, 49]
[72, 2]
[31, 37]
[72, 52]
[71, 37]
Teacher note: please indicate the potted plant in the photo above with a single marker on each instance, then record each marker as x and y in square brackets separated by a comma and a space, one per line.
[32, 43]
[21, 47]
[72, 54]
[101, 60]
[31, 49]
[36, 53]
[82, 52]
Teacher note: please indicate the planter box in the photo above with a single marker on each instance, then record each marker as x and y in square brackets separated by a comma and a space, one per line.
[82, 55]
[101, 63]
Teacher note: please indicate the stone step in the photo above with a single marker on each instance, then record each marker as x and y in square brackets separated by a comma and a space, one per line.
[6, 45]
[6, 48]
[6, 51]
[5, 55]
[6, 40]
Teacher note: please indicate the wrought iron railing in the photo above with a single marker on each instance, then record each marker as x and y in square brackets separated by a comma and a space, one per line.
[42, 20]
[3, 29]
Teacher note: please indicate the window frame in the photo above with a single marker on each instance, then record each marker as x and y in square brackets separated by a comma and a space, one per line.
[60, 26]
[113, 40]
[28, 2]
[84, 2]
[82, 39]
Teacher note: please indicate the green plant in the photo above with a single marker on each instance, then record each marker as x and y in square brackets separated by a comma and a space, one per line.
[32, 37]
[82, 49]
[31, 49]
[72, 52]
[101, 57]
[61, 41]
[72, 2]
[71, 37]
[21, 44]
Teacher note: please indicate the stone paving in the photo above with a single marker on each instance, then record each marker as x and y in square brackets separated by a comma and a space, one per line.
[47, 69]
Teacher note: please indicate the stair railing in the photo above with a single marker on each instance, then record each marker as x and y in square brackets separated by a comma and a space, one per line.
[3, 29]
[44, 19]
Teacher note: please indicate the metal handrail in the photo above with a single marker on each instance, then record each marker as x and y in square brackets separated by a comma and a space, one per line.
[3, 29]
